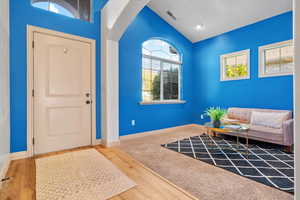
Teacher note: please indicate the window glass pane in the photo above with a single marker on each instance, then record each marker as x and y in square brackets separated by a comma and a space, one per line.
[152, 45]
[160, 72]
[242, 66]
[167, 81]
[161, 54]
[175, 81]
[147, 80]
[235, 66]
[278, 59]
[42, 5]
[80, 9]
[67, 3]
[160, 49]
[272, 60]
[85, 10]
[170, 81]
[241, 60]
[151, 80]
[146, 52]
[174, 54]
[287, 59]
[230, 60]
[155, 78]
[57, 8]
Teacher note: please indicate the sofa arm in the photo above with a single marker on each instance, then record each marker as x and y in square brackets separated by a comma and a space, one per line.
[288, 132]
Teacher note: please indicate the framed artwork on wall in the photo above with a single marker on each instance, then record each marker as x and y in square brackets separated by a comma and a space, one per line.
[235, 66]
[276, 59]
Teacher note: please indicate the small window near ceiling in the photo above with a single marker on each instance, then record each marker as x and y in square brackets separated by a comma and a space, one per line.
[161, 71]
[235, 66]
[276, 59]
[80, 9]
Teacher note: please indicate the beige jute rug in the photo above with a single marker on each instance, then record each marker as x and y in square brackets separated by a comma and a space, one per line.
[80, 175]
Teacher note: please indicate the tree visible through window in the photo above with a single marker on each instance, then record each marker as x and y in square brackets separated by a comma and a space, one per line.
[161, 71]
[80, 9]
[235, 66]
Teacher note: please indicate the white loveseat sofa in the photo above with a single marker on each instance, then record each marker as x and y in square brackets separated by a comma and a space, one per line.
[273, 126]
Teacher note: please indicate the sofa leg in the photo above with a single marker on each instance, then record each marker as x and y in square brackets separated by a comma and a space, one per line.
[288, 149]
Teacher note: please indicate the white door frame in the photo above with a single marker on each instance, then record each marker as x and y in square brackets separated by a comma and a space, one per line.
[30, 83]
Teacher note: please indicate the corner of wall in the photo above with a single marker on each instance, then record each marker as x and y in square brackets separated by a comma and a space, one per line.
[4, 89]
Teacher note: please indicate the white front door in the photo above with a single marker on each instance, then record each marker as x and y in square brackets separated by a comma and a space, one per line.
[62, 93]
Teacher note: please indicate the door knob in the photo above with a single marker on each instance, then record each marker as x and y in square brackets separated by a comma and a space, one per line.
[88, 102]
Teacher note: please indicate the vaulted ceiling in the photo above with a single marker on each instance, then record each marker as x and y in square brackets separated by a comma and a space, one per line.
[201, 19]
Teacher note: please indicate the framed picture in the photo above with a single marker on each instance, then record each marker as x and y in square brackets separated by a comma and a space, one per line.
[235, 66]
[276, 59]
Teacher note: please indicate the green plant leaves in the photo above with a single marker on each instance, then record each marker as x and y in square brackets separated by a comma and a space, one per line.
[215, 113]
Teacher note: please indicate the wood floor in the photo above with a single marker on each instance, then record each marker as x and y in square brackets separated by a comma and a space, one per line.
[149, 184]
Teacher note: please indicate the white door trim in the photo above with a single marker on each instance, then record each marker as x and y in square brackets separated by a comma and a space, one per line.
[30, 84]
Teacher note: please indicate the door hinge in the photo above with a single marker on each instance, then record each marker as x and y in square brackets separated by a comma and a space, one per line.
[33, 44]
[33, 141]
[32, 93]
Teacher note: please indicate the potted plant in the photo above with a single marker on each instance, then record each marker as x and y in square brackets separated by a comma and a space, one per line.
[216, 114]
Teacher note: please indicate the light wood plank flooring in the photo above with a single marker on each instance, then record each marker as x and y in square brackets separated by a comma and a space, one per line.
[149, 184]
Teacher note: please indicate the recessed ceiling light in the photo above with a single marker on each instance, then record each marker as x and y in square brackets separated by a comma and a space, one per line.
[199, 27]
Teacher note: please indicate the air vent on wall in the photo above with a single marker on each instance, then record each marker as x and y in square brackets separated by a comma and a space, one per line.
[171, 15]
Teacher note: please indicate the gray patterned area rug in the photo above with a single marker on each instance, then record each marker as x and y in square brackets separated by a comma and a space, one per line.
[262, 162]
[79, 175]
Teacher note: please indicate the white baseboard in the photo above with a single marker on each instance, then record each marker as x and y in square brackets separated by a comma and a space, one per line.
[111, 144]
[198, 126]
[155, 132]
[19, 155]
[98, 141]
[26, 154]
[4, 168]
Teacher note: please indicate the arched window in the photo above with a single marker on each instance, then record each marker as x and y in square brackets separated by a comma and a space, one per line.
[80, 9]
[161, 71]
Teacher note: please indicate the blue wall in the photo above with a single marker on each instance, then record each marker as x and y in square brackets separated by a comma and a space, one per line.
[201, 85]
[275, 93]
[21, 14]
[149, 117]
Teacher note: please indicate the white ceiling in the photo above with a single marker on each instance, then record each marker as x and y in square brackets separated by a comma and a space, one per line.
[217, 16]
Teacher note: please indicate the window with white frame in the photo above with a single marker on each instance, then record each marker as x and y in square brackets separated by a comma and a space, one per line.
[80, 9]
[276, 59]
[235, 66]
[161, 71]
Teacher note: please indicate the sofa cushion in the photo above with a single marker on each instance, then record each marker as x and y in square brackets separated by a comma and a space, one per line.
[288, 112]
[242, 114]
[268, 119]
[266, 133]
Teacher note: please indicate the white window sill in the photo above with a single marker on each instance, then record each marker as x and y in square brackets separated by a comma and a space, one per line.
[234, 79]
[162, 102]
[265, 75]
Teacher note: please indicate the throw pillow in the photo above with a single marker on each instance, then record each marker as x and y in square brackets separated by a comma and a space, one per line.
[268, 119]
